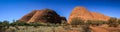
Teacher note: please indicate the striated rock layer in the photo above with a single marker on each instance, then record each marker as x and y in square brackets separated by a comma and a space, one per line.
[45, 16]
[84, 14]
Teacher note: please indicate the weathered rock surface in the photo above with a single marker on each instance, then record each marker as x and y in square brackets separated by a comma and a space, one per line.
[84, 14]
[45, 15]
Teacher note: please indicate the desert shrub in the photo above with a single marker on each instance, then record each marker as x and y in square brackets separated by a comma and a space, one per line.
[76, 21]
[19, 23]
[4, 25]
[88, 22]
[64, 23]
[37, 24]
[53, 24]
[95, 22]
[100, 22]
[86, 28]
[112, 22]
[119, 21]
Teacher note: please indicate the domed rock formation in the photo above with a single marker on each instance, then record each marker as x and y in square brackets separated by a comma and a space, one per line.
[84, 14]
[45, 15]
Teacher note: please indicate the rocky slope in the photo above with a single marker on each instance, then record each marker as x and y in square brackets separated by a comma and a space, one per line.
[83, 13]
[45, 15]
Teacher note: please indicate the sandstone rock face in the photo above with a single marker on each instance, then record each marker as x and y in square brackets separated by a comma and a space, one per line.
[45, 15]
[84, 14]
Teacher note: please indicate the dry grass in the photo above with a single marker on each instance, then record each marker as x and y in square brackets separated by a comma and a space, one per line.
[46, 29]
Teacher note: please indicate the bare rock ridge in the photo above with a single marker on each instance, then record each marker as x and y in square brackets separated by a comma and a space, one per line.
[83, 13]
[45, 15]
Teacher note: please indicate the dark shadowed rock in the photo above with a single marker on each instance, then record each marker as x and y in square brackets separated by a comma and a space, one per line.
[63, 18]
[45, 15]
